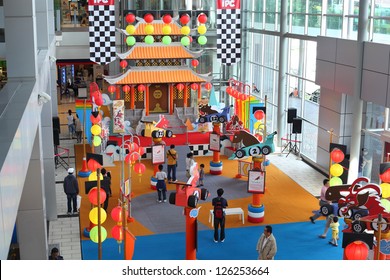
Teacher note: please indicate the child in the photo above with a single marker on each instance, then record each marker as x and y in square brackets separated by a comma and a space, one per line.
[334, 225]
[161, 186]
[201, 175]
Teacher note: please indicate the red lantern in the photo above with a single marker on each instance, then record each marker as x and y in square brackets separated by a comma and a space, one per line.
[180, 87]
[111, 88]
[132, 147]
[116, 214]
[385, 176]
[92, 196]
[202, 18]
[357, 250]
[208, 86]
[141, 150]
[194, 63]
[123, 64]
[167, 19]
[126, 88]
[117, 233]
[259, 114]
[141, 88]
[131, 158]
[148, 18]
[93, 165]
[194, 86]
[130, 18]
[95, 120]
[337, 155]
[139, 168]
[184, 19]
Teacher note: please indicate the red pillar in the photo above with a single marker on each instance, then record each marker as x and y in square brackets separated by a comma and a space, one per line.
[171, 90]
[185, 95]
[147, 101]
[256, 209]
[216, 164]
[190, 235]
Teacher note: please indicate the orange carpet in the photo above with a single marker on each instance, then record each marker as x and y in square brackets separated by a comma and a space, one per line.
[284, 200]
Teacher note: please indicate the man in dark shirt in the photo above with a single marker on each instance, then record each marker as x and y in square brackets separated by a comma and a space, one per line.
[71, 189]
[219, 204]
[106, 185]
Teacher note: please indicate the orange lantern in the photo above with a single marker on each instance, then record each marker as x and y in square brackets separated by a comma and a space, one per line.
[194, 86]
[126, 88]
[259, 114]
[357, 250]
[116, 214]
[385, 176]
[111, 88]
[141, 88]
[180, 87]
[117, 233]
[93, 165]
[93, 196]
[208, 86]
[337, 155]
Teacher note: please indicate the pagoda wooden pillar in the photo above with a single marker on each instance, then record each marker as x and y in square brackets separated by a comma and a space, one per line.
[147, 101]
[171, 90]
[185, 95]
[199, 92]
[132, 97]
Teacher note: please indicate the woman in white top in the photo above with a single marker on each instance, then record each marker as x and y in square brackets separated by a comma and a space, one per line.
[71, 126]
[161, 187]
[189, 161]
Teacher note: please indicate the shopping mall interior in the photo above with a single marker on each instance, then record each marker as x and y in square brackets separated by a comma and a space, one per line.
[319, 69]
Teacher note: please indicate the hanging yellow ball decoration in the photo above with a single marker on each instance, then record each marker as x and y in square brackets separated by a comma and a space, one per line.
[385, 190]
[202, 29]
[93, 176]
[93, 215]
[185, 30]
[97, 141]
[96, 129]
[166, 30]
[93, 234]
[335, 181]
[336, 170]
[149, 29]
[130, 29]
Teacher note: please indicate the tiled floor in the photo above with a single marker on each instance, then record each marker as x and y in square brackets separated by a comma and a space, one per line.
[65, 232]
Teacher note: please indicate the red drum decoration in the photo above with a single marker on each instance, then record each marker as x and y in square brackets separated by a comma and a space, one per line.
[148, 18]
[184, 19]
[208, 86]
[126, 88]
[357, 250]
[139, 168]
[385, 176]
[259, 114]
[180, 87]
[116, 214]
[167, 19]
[92, 196]
[194, 86]
[337, 155]
[93, 165]
[130, 18]
[123, 64]
[111, 88]
[117, 233]
[194, 63]
[202, 18]
[141, 88]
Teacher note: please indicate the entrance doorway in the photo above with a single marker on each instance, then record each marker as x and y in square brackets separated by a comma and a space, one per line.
[158, 98]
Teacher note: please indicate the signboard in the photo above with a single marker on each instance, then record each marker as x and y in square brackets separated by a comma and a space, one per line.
[158, 154]
[215, 142]
[256, 181]
[118, 107]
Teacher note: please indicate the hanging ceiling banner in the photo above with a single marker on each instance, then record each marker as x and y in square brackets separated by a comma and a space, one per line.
[228, 31]
[101, 31]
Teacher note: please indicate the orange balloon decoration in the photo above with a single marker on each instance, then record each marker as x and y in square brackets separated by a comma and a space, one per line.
[337, 155]
[92, 196]
[357, 250]
[259, 114]
[116, 214]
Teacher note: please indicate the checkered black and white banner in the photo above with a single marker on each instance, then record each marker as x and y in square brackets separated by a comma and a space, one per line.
[228, 31]
[102, 31]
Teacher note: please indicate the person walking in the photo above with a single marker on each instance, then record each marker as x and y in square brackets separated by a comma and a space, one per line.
[172, 157]
[71, 125]
[71, 189]
[189, 162]
[161, 185]
[106, 185]
[219, 204]
[266, 245]
[78, 128]
[322, 201]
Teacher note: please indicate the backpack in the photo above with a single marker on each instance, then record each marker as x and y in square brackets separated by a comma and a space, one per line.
[218, 209]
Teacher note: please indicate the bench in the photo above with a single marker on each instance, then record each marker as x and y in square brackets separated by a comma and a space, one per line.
[228, 211]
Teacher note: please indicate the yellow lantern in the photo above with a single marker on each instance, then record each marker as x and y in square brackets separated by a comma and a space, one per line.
[97, 140]
[185, 30]
[93, 234]
[93, 215]
[336, 170]
[335, 181]
[166, 30]
[130, 29]
[202, 29]
[93, 176]
[149, 29]
[385, 190]
[96, 129]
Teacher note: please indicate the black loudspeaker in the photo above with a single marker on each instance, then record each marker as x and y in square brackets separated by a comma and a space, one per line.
[56, 124]
[56, 137]
[291, 114]
[297, 126]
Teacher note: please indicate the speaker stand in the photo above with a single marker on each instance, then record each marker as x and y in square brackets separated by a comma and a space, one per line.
[289, 143]
[294, 146]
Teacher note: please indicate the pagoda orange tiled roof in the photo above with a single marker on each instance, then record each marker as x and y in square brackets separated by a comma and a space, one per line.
[158, 26]
[157, 75]
[159, 51]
